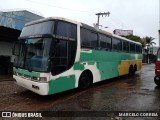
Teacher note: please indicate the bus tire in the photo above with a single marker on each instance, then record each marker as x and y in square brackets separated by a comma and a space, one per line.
[131, 71]
[135, 67]
[157, 80]
[85, 80]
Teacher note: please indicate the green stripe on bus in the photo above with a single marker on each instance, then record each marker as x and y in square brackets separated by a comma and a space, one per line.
[61, 84]
[108, 69]
[25, 72]
[107, 56]
[109, 62]
[78, 66]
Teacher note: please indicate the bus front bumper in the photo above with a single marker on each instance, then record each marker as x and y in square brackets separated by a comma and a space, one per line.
[37, 87]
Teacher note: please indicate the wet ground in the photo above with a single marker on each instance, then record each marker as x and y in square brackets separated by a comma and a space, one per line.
[138, 93]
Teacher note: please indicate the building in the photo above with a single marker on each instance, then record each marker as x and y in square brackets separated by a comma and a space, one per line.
[11, 24]
[123, 32]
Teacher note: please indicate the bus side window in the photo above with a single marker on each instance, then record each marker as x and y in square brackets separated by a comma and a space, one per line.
[105, 42]
[60, 57]
[132, 47]
[89, 39]
[116, 44]
[109, 44]
[66, 30]
[125, 46]
[138, 49]
[64, 49]
[102, 41]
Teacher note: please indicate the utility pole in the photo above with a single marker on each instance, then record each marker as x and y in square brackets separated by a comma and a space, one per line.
[101, 14]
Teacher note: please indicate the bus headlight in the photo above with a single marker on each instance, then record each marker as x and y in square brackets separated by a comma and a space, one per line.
[42, 79]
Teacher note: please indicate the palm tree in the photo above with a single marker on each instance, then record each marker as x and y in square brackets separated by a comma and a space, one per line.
[149, 44]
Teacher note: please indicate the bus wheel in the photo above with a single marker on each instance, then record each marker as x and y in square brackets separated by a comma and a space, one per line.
[157, 80]
[131, 71]
[84, 81]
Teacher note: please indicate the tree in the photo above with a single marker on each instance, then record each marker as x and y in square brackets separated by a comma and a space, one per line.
[136, 39]
[149, 42]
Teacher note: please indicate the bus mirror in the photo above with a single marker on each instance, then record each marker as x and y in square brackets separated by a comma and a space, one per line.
[15, 49]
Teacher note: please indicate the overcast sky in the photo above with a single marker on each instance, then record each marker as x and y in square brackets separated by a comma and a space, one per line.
[141, 16]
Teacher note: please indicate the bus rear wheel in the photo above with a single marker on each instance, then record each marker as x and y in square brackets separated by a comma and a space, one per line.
[131, 71]
[85, 81]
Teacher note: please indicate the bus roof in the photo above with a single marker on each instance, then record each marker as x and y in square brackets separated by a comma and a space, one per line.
[83, 25]
[50, 19]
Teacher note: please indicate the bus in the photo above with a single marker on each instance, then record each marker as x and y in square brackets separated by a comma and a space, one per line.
[157, 69]
[58, 54]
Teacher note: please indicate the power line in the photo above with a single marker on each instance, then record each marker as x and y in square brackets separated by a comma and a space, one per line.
[74, 10]
[125, 25]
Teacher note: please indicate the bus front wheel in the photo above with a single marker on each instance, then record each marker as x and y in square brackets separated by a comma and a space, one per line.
[85, 81]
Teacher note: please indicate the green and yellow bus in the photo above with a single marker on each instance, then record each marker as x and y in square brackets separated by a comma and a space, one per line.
[57, 54]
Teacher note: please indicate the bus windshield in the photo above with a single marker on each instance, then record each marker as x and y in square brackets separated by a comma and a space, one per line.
[36, 41]
[34, 54]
